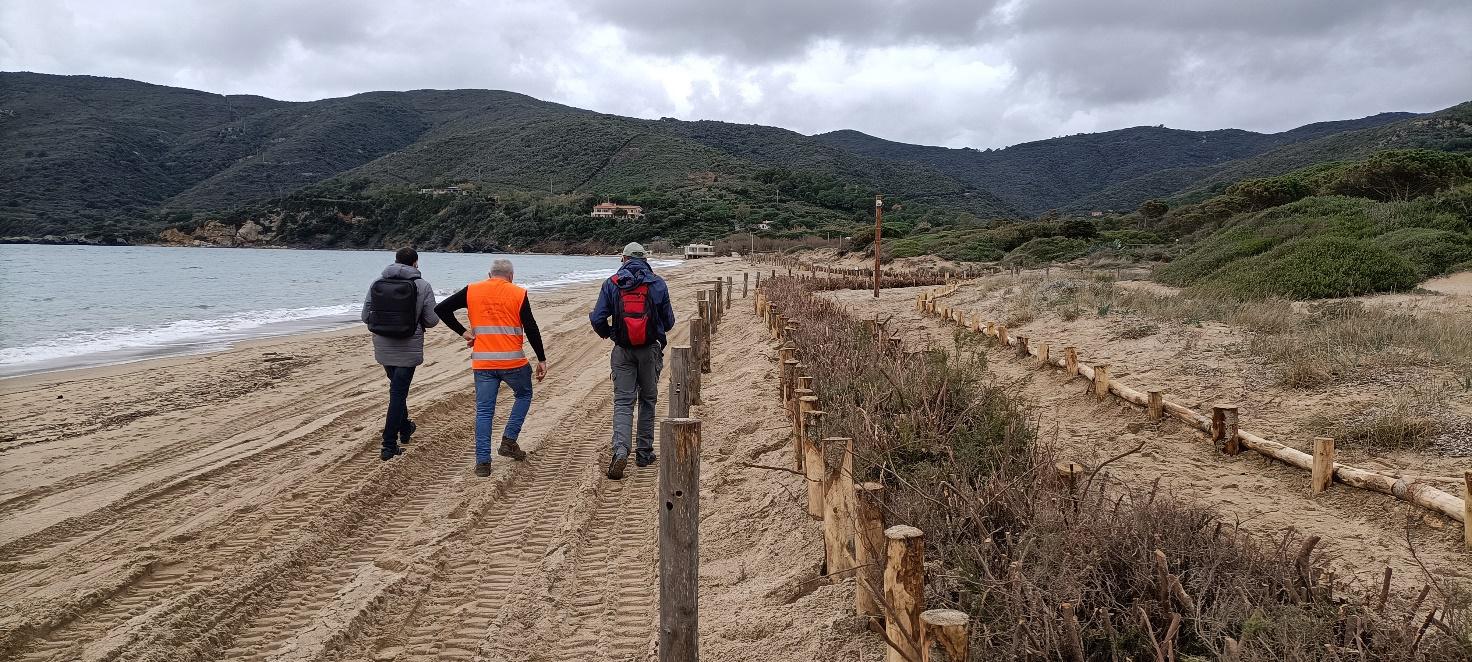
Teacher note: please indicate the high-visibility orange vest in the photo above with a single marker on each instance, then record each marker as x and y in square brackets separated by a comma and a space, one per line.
[494, 308]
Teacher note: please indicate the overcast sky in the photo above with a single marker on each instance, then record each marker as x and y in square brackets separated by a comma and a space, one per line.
[974, 73]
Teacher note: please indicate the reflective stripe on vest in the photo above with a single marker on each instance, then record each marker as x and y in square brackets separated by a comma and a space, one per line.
[494, 308]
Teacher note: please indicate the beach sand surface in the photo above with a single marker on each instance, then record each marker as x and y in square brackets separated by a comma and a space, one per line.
[232, 505]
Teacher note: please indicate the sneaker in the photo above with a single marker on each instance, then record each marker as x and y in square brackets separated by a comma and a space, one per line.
[645, 460]
[616, 467]
[389, 452]
[404, 436]
[483, 469]
[511, 450]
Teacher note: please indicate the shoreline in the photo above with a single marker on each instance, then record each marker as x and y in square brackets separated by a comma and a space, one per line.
[147, 358]
[41, 241]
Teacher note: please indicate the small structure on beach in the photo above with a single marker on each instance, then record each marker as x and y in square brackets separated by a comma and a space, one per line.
[608, 209]
[693, 251]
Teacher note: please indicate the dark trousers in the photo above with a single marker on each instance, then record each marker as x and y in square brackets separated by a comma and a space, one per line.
[396, 425]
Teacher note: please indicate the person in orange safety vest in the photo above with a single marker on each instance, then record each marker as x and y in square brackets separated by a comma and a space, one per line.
[500, 319]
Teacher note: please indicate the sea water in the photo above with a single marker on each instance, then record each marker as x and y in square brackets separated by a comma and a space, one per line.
[76, 306]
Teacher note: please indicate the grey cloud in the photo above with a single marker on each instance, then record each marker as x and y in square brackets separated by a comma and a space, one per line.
[767, 30]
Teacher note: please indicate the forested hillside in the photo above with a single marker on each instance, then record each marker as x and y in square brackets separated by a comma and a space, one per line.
[1107, 170]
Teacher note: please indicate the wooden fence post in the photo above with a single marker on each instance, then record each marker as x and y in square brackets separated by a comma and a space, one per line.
[1323, 467]
[813, 466]
[698, 343]
[804, 403]
[868, 549]
[1157, 404]
[1467, 507]
[1224, 429]
[1101, 381]
[1002, 335]
[838, 497]
[1023, 347]
[679, 541]
[946, 627]
[788, 401]
[1070, 361]
[1043, 361]
[679, 396]
[745, 279]
[904, 591]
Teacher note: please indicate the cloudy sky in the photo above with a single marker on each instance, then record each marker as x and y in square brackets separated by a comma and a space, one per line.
[978, 73]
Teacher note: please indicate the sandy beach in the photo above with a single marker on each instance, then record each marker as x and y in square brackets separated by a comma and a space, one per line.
[232, 506]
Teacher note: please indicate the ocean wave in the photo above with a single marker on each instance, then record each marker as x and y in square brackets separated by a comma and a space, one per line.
[173, 334]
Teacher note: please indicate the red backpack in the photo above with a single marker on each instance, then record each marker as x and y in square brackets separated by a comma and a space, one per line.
[631, 315]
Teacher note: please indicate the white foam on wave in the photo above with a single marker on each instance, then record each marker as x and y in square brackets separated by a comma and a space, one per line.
[174, 334]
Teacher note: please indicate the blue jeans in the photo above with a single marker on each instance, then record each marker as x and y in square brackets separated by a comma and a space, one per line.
[396, 424]
[487, 385]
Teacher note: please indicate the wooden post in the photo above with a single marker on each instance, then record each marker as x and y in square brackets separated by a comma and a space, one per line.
[806, 402]
[813, 466]
[1101, 380]
[788, 401]
[947, 628]
[1157, 404]
[697, 361]
[1467, 507]
[1323, 471]
[1069, 473]
[1022, 346]
[1043, 361]
[679, 396]
[745, 279]
[904, 591]
[838, 496]
[707, 329]
[1070, 361]
[1224, 429]
[1002, 335]
[869, 547]
[729, 285]
[679, 540]
[757, 282]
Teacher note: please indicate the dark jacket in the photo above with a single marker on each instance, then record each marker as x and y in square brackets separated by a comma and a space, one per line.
[404, 352]
[630, 275]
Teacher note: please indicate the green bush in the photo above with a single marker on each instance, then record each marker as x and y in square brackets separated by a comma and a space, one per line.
[1047, 249]
[1432, 252]
[1316, 268]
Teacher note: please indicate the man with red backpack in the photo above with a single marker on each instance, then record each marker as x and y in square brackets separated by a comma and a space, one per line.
[634, 311]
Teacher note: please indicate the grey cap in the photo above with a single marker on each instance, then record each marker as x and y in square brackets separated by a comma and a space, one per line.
[634, 249]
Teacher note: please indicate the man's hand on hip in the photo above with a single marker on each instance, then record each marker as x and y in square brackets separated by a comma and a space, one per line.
[469, 338]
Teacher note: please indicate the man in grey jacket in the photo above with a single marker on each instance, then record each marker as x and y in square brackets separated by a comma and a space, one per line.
[399, 350]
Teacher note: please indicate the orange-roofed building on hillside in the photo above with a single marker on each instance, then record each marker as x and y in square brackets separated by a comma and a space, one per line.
[609, 209]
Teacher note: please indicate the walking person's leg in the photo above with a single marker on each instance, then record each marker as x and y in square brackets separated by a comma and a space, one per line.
[625, 389]
[650, 364]
[398, 411]
[520, 381]
[487, 383]
[406, 430]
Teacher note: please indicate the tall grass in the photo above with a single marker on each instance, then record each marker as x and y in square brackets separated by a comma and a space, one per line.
[1010, 543]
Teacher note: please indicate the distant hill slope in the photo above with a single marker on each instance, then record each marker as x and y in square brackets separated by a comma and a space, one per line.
[80, 151]
[1069, 172]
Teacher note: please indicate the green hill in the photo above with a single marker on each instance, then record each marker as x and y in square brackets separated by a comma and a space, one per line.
[85, 153]
[1107, 170]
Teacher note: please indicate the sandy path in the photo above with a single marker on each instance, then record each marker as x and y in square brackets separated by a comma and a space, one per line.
[232, 506]
[1198, 366]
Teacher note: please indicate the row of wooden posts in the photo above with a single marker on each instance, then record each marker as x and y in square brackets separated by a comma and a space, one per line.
[887, 563]
[814, 268]
[1223, 425]
[679, 477]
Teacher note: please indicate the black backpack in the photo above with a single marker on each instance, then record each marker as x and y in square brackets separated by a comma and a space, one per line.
[393, 307]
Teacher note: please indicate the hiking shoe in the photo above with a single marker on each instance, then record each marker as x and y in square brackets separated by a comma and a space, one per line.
[645, 460]
[616, 467]
[404, 436]
[389, 452]
[483, 469]
[511, 450]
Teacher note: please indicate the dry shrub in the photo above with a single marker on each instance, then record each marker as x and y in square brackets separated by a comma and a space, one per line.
[1009, 543]
[1408, 421]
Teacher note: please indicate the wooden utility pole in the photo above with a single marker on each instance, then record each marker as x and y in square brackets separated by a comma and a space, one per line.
[878, 234]
[679, 540]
